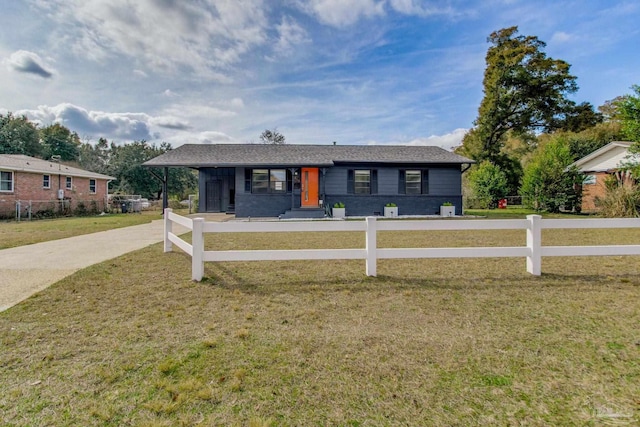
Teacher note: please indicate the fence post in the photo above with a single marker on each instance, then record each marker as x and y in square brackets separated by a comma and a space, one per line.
[371, 243]
[534, 243]
[197, 243]
[167, 229]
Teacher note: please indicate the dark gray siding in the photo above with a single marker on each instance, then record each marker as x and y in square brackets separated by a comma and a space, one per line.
[444, 186]
[445, 181]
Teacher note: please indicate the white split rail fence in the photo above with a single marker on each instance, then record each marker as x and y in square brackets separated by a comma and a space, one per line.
[533, 251]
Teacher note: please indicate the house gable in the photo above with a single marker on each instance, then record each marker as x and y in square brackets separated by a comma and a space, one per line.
[610, 157]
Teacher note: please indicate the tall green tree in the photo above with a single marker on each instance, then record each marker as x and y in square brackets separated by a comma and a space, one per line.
[548, 184]
[19, 136]
[524, 91]
[58, 140]
[628, 108]
[125, 163]
[96, 157]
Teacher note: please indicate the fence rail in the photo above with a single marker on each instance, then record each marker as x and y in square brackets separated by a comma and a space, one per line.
[533, 251]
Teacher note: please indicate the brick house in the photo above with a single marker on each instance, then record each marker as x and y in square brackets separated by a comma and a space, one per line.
[43, 185]
[598, 167]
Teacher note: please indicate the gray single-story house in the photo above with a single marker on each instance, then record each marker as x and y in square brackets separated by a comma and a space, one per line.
[263, 180]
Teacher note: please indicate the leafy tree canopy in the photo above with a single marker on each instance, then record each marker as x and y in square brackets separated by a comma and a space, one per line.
[524, 90]
[19, 136]
[628, 108]
[272, 137]
[125, 163]
[58, 140]
[547, 184]
[489, 184]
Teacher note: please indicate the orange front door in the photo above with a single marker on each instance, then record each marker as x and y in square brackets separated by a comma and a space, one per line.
[309, 188]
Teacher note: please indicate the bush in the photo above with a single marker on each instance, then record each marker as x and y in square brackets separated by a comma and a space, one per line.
[81, 209]
[621, 200]
[489, 184]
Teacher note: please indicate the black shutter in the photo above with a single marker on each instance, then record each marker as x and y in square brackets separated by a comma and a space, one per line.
[425, 182]
[374, 181]
[247, 180]
[351, 186]
[289, 181]
[402, 188]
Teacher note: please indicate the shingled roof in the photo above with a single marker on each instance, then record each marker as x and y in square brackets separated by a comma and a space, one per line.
[22, 163]
[230, 155]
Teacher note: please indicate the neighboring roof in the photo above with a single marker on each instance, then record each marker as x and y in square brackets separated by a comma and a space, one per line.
[221, 155]
[606, 158]
[22, 163]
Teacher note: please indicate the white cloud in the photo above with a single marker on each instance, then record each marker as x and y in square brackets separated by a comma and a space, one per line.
[419, 8]
[206, 112]
[212, 137]
[205, 37]
[446, 141]
[170, 122]
[236, 103]
[127, 126]
[561, 37]
[24, 61]
[290, 34]
[340, 13]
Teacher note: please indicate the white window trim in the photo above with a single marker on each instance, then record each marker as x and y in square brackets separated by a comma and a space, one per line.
[95, 186]
[13, 181]
[68, 182]
[49, 181]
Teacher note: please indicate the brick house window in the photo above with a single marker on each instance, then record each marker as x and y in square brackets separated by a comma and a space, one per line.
[46, 181]
[92, 186]
[69, 183]
[589, 180]
[6, 181]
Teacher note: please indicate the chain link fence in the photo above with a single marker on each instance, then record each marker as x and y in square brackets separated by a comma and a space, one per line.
[22, 210]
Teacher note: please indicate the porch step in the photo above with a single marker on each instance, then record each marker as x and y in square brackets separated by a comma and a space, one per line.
[303, 213]
[231, 209]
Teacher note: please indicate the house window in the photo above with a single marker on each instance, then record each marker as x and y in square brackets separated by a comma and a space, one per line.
[92, 186]
[262, 181]
[589, 180]
[46, 181]
[69, 183]
[362, 184]
[413, 181]
[278, 181]
[6, 181]
[362, 181]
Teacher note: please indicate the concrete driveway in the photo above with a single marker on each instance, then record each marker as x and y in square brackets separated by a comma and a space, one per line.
[26, 270]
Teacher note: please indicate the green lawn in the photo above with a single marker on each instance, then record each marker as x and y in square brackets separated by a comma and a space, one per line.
[133, 341]
[27, 232]
[515, 211]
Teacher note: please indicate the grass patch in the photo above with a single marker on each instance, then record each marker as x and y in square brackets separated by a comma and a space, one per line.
[516, 211]
[14, 234]
[133, 341]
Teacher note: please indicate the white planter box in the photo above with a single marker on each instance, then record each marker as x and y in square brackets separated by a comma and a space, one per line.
[447, 210]
[338, 212]
[391, 212]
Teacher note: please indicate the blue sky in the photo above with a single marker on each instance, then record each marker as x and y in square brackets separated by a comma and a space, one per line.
[351, 71]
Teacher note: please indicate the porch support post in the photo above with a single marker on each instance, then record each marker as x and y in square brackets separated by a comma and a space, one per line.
[371, 243]
[165, 197]
[293, 179]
